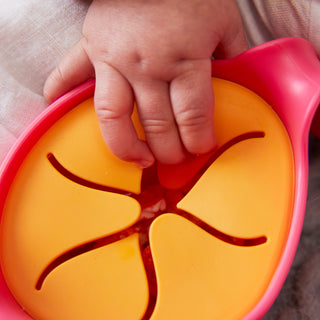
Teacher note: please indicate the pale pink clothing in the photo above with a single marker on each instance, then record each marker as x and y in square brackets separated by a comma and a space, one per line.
[271, 19]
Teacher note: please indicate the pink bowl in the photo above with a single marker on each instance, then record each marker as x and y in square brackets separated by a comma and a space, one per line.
[285, 73]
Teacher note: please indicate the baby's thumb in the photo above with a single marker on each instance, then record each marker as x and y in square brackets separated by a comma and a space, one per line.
[74, 69]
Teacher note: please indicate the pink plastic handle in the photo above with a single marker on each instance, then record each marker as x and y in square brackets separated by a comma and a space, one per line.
[286, 74]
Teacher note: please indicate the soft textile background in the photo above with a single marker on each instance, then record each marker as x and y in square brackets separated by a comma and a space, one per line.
[34, 35]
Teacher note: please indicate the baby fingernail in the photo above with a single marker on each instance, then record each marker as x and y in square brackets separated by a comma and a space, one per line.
[144, 163]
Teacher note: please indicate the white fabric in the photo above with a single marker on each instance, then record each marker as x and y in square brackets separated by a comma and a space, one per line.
[34, 35]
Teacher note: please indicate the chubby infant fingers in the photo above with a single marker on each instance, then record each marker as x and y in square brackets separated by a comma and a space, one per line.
[176, 116]
[157, 119]
[113, 101]
[72, 70]
[193, 105]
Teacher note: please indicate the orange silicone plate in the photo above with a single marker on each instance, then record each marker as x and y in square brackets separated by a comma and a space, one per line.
[87, 236]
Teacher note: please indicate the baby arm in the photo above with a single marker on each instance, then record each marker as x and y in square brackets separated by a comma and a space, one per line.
[156, 54]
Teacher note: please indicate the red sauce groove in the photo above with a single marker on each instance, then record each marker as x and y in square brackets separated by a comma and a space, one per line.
[154, 200]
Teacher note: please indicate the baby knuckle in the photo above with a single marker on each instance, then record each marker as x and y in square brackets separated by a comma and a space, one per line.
[105, 114]
[193, 119]
[156, 126]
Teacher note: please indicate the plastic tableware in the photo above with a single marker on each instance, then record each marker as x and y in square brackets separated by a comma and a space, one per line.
[85, 235]
[286, 73]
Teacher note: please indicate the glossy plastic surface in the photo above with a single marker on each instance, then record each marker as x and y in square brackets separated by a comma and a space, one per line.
[238, 203]
[286, 73]
[73, 216]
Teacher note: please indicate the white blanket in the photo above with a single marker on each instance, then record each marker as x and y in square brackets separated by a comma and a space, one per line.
[34, 35]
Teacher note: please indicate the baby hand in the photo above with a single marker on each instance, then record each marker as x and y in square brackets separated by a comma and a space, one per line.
[156, 54]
